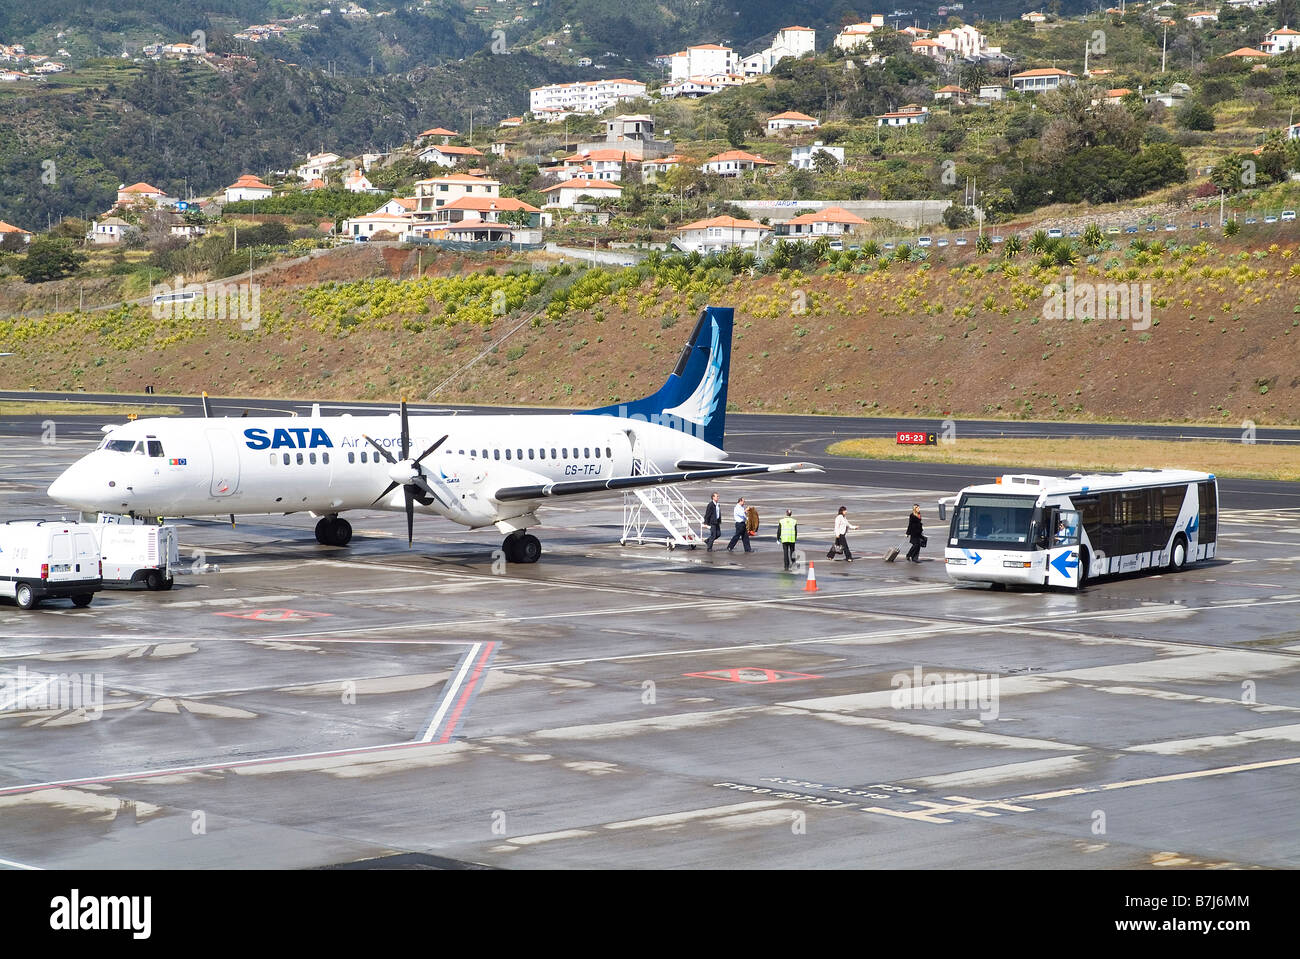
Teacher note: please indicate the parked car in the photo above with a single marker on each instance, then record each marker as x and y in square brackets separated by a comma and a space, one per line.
[960, 241]
[1131, 228]
[942, 241]
[1251, 219]
[1288, 215]
[997, 239]
[1074, 234]
[889, 246]
[1055, 233]
[1112, 231]
[1171, 227]
[924, 241]
[1151, 228]
[1270, 218]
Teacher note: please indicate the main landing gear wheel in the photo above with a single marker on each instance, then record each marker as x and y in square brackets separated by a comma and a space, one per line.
[522, 548]
[332, 531]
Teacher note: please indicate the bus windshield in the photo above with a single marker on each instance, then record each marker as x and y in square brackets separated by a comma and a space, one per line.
[990, 518]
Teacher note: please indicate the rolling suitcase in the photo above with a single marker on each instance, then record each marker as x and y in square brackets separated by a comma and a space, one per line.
[892, 553]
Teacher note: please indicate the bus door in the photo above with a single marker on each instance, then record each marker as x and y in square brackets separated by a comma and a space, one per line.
[1062, 527]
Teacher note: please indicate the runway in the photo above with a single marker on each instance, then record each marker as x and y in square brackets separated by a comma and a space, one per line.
[292, 705]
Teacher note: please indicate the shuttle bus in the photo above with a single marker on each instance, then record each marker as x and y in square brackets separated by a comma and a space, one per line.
[1047, 531]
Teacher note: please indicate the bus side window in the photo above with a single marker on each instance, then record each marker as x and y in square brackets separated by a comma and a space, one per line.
[1208, 498]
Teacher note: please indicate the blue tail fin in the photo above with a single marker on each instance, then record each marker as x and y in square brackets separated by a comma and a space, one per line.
[694, 397]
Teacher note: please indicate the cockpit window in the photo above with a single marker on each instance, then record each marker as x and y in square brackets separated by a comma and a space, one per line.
[119, 446]
[155, 448]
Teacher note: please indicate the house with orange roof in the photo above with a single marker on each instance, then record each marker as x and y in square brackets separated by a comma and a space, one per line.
[1116, 95]
[368, 226]
[790, 120]
[142, 194]
[448, 155]
[720, 233]
[566, 195]
[358, 182]
[733, 163]
[8, 230]
[651, 169]
[1040, 80]
[931, 48]
[436, 132]
[488, 209]
[512, 122]
[398, 205]
[247, 187]
[909, 115]
[315, 184]
[832, 221]
[603, 164]
[315, 166]
[1246, 55]
[951, 93]
[858, 34]
[438, 191]
[794, 41]
[687, 87]
[1201, 17]
[1280, 41]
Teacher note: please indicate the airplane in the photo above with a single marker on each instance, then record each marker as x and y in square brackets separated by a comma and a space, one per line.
[475, 470]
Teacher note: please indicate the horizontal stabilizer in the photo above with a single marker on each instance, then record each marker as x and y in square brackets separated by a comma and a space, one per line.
[619, 483]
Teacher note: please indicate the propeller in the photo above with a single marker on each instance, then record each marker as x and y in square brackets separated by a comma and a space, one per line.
[407, 474]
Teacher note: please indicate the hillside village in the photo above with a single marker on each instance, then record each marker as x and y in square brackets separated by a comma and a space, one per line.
[924, 137]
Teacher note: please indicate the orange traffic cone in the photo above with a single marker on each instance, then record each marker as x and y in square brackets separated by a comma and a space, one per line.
[811, 585]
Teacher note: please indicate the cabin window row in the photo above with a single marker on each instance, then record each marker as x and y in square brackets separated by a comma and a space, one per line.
[557, 453]
[301, 459]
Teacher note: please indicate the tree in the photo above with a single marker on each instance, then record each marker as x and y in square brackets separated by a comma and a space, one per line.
[1195, 116]
[49, 259]
[957, 217]
[983, 244]
[1092, 236]
[825, 163]
[1014, 247]
[737, 129]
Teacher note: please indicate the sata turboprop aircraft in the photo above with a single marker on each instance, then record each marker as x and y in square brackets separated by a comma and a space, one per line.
[490, 470]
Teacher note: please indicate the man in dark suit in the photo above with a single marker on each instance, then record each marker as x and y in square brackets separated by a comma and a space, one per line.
[713, 520]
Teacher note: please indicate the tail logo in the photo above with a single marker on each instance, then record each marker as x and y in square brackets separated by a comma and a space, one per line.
[700, 406]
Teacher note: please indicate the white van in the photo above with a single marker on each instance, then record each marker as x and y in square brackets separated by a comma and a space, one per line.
[130, 553]
[44, 559]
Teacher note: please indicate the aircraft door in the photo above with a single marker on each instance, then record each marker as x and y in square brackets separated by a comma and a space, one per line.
[225, 463]
[620, 445]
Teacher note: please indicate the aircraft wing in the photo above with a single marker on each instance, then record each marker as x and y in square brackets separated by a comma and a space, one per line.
[578, 487]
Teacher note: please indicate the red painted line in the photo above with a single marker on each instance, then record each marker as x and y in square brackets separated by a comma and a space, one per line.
[470, 686]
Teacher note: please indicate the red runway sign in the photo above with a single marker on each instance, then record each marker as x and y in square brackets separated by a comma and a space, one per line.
[276, 615]
[752, 675]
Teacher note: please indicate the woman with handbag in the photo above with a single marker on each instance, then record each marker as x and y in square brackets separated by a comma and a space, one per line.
[914, 533]
[842, 527]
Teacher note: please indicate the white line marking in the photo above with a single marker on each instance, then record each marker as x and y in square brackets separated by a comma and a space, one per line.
[452, 689]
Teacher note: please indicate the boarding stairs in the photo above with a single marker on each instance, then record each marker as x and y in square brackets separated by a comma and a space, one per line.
[665, 505]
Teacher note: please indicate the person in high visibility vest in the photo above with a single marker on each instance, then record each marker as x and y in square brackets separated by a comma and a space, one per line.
[787, 531]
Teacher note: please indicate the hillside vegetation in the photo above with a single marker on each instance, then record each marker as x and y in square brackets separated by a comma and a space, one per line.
[962, 334]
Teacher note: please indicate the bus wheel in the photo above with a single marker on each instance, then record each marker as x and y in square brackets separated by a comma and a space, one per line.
[1178, 555]
[1084, 562]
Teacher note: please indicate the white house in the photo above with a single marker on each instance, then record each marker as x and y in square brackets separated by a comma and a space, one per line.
[111, 229]
[603, 164]
[909, 115]
[314, 168]
[790, 120]
[8, 229]
[398, 205]
[1046, 78]
[370, 224]
[992, 91]
[932, 49]
[733, 163]
[952, 93]
[565, 195]
[651, 169]
[719, 234]
[369, 160]
[489, 209]
[358, 182]
[966, 42]
[142, 194]
[1201, 17]
[247, 187]
[702, 60]
[1280, 41]
[446, 155]
[558, 100]
[832, 221]
[788, 42]
[440, 190]
[804, 158]
[689, 88]
[858, 34]
[1035, 17]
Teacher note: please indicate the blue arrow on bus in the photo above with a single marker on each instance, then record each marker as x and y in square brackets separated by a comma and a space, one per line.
[1066, 562]
[1193, 524]
[973, 556]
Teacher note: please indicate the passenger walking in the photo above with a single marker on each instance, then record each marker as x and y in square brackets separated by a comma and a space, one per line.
[842, 527]
[914, 533]
[741, 517]
[787, 531]
[713, 520]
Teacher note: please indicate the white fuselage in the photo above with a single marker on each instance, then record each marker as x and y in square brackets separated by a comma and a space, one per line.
[186, 467]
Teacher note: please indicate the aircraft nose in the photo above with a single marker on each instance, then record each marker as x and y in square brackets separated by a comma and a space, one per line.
[75, 486]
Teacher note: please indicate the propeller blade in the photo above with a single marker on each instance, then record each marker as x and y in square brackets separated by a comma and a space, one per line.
[419, 459]
[406, 432]
[391, 487]
[382, 452]
[419, 480]
[410, 515]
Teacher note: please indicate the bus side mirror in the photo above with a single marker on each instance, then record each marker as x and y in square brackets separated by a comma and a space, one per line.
[943, 510]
